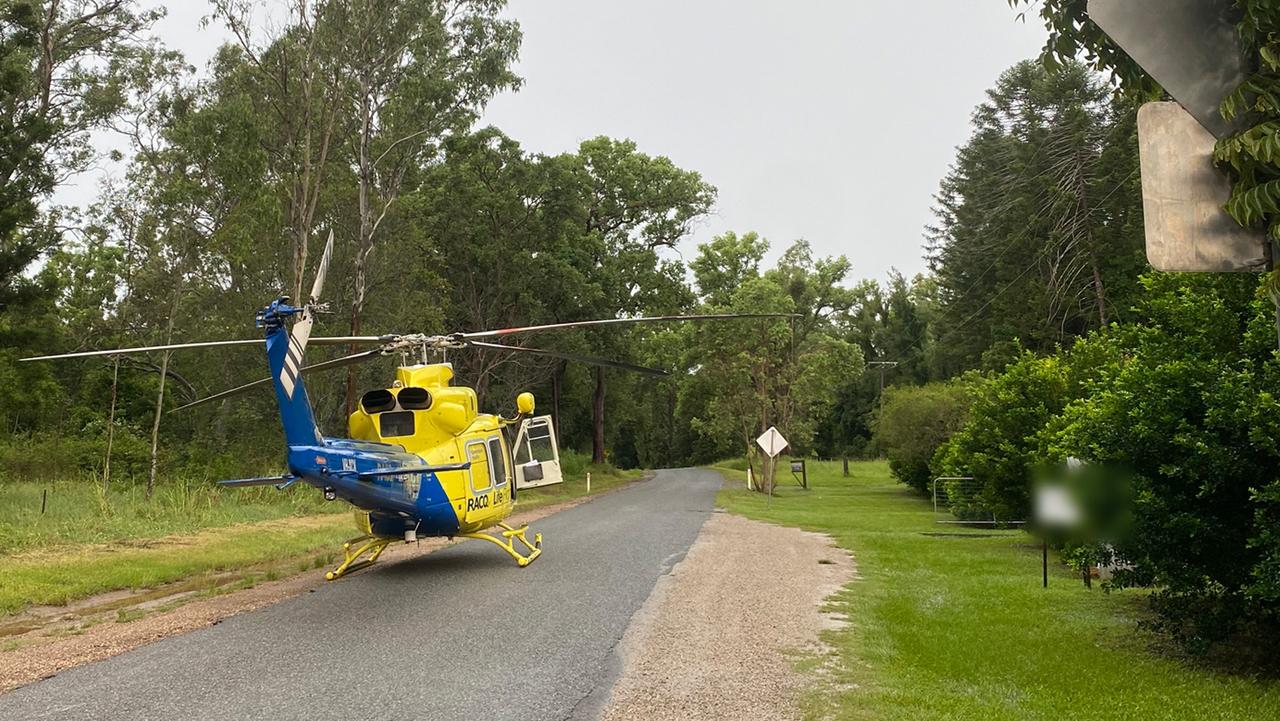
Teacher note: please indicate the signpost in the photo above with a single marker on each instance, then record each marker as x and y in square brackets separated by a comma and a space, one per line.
[772, 443]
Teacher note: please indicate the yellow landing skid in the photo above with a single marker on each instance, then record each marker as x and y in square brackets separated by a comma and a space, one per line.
[370, 544]
[507, 543]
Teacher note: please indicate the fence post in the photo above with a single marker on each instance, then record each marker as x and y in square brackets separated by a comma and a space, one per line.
[44, 500]
[846, 466]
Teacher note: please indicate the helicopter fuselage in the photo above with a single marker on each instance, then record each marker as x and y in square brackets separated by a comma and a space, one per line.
[420, 457]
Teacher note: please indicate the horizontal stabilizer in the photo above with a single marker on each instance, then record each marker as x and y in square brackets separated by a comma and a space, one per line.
[268, 481]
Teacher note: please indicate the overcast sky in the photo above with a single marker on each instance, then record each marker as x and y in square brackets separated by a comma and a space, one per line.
[829, 121]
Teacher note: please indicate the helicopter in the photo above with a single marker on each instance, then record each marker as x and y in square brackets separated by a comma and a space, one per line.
[421, 460]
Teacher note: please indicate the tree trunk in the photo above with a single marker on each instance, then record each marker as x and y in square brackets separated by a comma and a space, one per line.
[299, 260]
[164, 375]
[1098, 293]
[111, 425]
[155, 424]
[597, 419]
[671, 425]
[557, 381]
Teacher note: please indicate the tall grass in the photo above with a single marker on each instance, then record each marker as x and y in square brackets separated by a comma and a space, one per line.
[78, 511]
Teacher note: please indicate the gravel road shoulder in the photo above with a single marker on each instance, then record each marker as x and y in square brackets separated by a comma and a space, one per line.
[719, 636]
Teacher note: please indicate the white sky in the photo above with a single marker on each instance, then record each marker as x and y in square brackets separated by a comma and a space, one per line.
[824, 120]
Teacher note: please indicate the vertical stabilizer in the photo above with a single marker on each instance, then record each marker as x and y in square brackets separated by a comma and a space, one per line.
[291, 393]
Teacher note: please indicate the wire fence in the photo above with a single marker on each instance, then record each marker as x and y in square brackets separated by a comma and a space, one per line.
[960, 500]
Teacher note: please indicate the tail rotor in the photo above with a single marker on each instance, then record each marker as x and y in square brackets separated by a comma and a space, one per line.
[301, 331]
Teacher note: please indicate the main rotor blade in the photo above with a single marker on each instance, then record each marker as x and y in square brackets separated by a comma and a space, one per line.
[619, 321]
[326, 365]
[147, 348]
[351, 339]
[321, 340]
[590, 360]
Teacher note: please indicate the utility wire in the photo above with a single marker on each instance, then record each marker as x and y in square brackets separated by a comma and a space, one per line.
[1035, 261]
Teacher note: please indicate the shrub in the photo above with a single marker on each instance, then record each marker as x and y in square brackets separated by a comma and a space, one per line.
[915, 422]
[1184, 400]
[1190, 411]
[999, 442]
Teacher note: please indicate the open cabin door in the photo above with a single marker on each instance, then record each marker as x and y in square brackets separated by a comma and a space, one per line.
[536, 454]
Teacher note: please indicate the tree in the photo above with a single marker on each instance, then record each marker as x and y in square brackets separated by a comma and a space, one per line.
[418, 72]
[1044, 184]
[54, 91]
[295, 88]
[1251, 155]
[726, 263]
[632, 206]
[753, 374]
[916, 421]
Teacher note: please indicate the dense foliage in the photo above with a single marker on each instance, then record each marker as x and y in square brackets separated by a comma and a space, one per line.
[357, 117]
[1038, 237]
[913, 425]
[1182, 400]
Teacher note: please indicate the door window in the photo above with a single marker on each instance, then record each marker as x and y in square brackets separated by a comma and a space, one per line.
[478, 454]
[497, 461]
[540, 442]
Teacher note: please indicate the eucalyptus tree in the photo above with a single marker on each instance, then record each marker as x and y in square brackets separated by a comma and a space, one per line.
[295, 88]
[416, 73]
[632, 207]
[780, 372]
[63, 67]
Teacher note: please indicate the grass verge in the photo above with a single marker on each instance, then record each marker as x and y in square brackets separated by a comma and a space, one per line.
[90, 544]
[948, 623]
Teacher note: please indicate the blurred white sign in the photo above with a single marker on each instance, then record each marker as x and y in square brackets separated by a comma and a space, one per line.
[1055, 507]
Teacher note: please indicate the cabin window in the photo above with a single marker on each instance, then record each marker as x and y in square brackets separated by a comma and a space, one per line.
[498, 460]
[477, 453]
[395, 424]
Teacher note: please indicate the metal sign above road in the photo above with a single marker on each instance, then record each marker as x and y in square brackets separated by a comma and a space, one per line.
[772, 442]
[1190, 47]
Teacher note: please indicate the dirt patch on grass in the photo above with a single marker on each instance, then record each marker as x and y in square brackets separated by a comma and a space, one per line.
[720, 636]
[44, 641]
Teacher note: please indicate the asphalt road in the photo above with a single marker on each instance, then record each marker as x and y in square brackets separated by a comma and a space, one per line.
[461, 633]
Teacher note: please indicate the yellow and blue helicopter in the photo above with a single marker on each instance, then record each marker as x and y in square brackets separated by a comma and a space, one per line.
[421, 459]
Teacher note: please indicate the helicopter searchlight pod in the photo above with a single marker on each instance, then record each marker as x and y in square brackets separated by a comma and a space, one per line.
[420, 459]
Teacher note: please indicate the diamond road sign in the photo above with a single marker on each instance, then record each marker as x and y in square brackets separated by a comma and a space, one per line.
[772, 442]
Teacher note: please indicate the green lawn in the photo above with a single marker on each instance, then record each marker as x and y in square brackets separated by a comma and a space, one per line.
[86, 543]
[957, 626]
